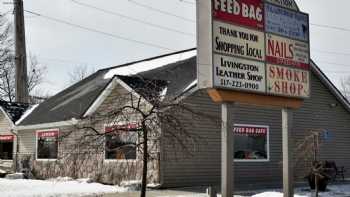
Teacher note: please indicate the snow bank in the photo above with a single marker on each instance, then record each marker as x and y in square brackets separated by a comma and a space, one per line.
[38, 188]
[149, 65]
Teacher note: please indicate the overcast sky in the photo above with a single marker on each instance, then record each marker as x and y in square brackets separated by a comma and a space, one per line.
[61, 47]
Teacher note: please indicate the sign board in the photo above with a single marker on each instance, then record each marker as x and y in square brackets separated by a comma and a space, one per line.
[237, 73]
[287, 81]
[244, 44]
[48, 133]
[238, 41]
[286, 22]
[248, 13]
[284, 51]
[285, 3]
[242, 129]
[8, 138]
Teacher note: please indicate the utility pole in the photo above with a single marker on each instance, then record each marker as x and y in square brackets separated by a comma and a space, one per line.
[22, 94]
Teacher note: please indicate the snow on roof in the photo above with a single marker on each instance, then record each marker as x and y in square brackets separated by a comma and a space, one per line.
[191, 85]
[150, 64]
[26, 113]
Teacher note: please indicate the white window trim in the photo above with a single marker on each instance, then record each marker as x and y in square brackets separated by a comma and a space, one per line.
[36, 144]
[267, 146]
[116, 160]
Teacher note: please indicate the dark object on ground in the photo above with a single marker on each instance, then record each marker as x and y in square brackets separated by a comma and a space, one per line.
[323, 173]
[338, 171]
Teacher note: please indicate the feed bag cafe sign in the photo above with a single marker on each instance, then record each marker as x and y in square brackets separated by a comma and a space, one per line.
[258, 47]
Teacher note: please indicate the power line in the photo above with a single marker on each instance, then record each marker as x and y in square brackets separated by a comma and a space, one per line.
[331, 27]
[188, 2]
[161, 11]
[133, 19]
[330, 52]
[333, 63]
[100, 32]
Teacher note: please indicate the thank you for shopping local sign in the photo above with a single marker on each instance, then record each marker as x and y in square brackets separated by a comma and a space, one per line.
[257, 46]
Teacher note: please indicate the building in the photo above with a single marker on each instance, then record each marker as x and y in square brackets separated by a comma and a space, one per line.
[10, 112]
[259, 155]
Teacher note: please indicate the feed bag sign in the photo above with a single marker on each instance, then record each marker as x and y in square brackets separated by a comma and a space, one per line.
[254, 46]
[249, 13]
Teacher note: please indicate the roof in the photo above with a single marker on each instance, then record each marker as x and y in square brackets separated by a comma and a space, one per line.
[170, 75]
[14, 110]
[73, 102]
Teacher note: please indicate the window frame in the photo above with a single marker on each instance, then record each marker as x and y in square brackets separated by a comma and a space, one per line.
[13, 146]
[268, 159]
[36, 143]
[117, 160]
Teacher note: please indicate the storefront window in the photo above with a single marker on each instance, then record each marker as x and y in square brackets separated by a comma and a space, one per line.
[6, 147]
[121, 142]
[47, 144]
[251, 143]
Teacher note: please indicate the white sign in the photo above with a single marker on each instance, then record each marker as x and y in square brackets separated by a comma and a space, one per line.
[238, 41]
[285, 3]
[285, 81]
[240, 74]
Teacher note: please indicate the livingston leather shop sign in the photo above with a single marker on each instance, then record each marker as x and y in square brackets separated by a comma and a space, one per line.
[256, 45]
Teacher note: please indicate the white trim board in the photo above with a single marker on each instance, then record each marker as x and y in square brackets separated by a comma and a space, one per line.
[48, 125]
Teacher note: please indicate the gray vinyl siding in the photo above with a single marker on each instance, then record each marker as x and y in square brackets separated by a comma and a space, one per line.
[203, 167]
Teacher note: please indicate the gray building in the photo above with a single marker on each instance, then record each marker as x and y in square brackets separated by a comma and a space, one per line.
[258, 153]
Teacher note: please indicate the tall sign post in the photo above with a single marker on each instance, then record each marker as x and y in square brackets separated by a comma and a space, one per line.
[253, 52]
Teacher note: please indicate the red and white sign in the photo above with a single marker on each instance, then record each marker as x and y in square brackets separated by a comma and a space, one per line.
[48, 133]
[248, 13]
[285, 51]
[250, 129]
[131, 126]
[285, 81]
[7, 137]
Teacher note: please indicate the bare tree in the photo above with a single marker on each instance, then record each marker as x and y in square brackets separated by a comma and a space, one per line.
[136, 120]
[308, 156]
[345, 86]
[7, 64]
[79, 73]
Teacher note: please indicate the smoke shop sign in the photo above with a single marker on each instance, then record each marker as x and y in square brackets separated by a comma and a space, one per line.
[287, 81]
[238, 41]
[240, 74]
[248, 13]
[256, 46]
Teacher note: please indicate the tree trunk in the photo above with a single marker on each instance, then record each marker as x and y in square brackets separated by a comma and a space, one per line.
[145, 160]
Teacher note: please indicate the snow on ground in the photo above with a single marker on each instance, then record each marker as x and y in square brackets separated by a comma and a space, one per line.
[67, 187]
[39, 188]
[333, 191]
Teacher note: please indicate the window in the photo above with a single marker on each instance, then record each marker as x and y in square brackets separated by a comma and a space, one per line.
[121, 142]
[6, 147]
[47, 144]
[251, 143]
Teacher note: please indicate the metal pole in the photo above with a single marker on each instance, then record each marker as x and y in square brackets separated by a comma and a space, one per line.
[227, 150]
[288, 186]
